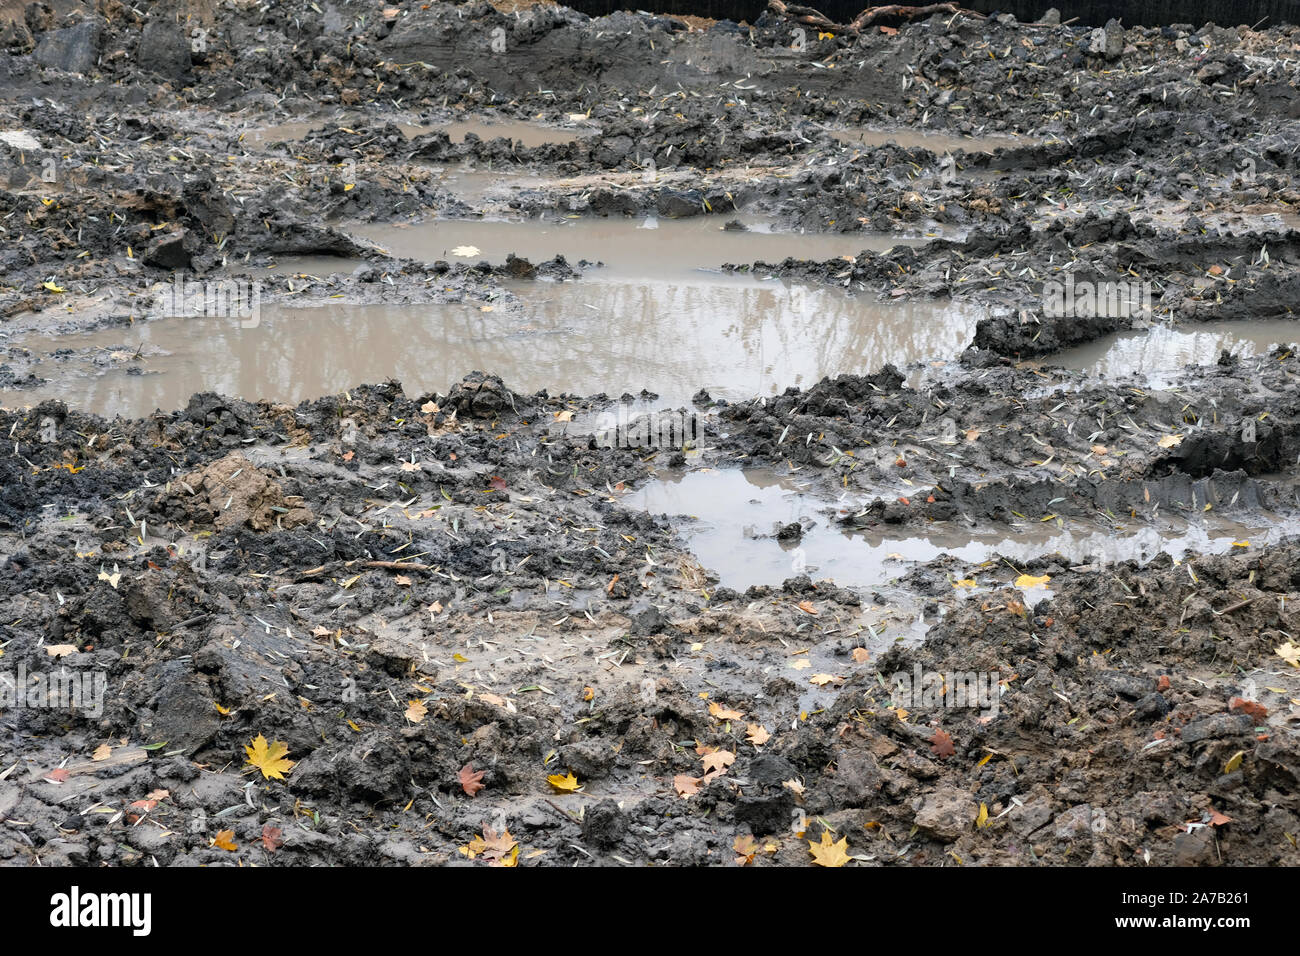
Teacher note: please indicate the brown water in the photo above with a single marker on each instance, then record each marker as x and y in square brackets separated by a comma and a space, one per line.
[652, 246]
[526, 132]
[1161, 353]
[736, 336]
[738, 512]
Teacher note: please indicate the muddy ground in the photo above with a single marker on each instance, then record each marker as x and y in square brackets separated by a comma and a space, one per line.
[401, 586]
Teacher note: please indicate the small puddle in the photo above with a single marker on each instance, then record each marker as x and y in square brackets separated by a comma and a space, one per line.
[641, 247]
[1161, 354]
[526, 132]
[935, 141]
[739, 512]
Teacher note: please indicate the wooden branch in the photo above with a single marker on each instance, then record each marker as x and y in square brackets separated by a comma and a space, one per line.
[815, 18]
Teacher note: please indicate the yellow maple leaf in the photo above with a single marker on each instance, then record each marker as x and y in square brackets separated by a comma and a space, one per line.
[966, 583]
[225, 840]
[1030, 581]
[53, 287]
[757, 734]
[827, 853]
[269, 758]
[565, 783]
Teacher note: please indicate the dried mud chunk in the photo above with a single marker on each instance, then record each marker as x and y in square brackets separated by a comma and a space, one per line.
[231, 492]
[604, 825]
[480, 396]
[946, 814]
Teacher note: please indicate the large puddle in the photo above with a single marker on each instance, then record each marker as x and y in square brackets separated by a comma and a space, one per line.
[641, 247]
[1160, 354]
[735, 336]
[738, 513]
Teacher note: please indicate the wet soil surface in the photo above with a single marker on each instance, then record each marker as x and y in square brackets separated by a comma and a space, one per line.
[940, 572]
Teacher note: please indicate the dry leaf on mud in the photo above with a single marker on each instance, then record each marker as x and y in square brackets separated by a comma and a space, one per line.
[801, 663]
[718, 761]
[757, 734]
[807, 608]
[564, 416]
[415, 711]
[498, 850]
[112, 579]
[972, 434]
[465, 252]
[941, 745]
[861, 655]
[272, 838]
[827, 853]
[471, 780]
[1032, 581]
[60, 650]
[686, 785]
[821, 680]
[722, 713]
[965, 583]
[746, 847]
[564, 783]
[1289, 652]
[794, 786]
[269, 758]
[225, 840]
[102, 752]
[1169, 441]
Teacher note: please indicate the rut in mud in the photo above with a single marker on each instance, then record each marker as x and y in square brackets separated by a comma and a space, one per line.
[939, 553]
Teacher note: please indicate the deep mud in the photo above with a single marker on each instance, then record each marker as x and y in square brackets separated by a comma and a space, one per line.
[1112, 547]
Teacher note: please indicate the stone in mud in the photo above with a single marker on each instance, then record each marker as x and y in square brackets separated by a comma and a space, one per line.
[1126, 685]
[676, 204]
[73, 49]
[168, 251]
[1107, 41]
[604, 825]
[164, 49]
[231, 493]
[1213, 728]
[1075, 823]
[946, 814]
[1152, 707]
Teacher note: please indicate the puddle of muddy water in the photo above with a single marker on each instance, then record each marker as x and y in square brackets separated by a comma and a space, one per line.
[627, 247]
[1161, 353]
[735, 336]
[525, 132]
[738, 512]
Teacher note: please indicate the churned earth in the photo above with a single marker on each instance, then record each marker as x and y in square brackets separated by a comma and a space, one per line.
[481, 636]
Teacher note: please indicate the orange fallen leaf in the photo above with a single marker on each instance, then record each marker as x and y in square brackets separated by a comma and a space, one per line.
[272, 838]
[225, 840]
[722, 713]
[757, 734]
[686, 785]
[564, 783]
